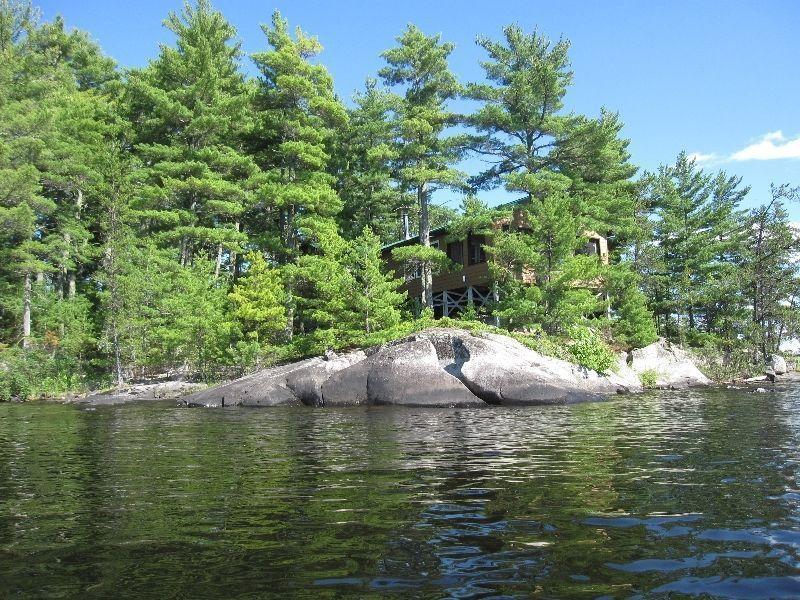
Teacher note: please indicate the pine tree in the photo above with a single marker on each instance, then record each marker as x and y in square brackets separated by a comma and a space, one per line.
[633, 323]
[326, 292]
[259, 300]
[377, 299]
[363, 157]
[698, 230]
[117, 235]
[298, 114]
[772, 273]
[519, 127]
[425, 155]
[297, 118]
[190, 108]
[544, 281]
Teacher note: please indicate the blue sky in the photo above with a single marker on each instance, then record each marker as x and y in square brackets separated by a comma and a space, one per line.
[720, 79]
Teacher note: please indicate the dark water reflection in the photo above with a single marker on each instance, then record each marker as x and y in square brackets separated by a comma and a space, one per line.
[664, 495]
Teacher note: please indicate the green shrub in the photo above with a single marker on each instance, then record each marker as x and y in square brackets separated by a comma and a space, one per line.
[546, 345]
[648, 378]
[589, 350]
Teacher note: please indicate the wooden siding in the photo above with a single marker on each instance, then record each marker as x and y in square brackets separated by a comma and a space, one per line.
[476, 275]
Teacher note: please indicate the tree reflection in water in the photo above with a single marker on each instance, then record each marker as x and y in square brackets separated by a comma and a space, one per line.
[690, 493]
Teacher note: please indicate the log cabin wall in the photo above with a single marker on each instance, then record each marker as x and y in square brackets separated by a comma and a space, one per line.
[474, 270]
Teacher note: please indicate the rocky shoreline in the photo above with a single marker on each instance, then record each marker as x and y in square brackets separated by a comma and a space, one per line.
[448, 368]
[147, 391]
[440, 368]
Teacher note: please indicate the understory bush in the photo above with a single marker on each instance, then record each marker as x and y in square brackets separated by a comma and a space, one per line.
[725, 364]
[589, 350]
[33, 373]
[648, 379]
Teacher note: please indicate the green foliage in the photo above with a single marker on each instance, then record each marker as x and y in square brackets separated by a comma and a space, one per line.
[363, 158]
[376, 298]
[633, 323]
[546, 345]
[40, 371]
[259, 300]
[698, 233]
[297, 115]
[191, 110]
[589, 350]
[424, 155]
[648, 379]
[190, 217]
[416, 256]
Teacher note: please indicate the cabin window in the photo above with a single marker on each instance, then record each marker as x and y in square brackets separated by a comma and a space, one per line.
[591, 248]
[455, 252]
[435, 244]
[477, 254]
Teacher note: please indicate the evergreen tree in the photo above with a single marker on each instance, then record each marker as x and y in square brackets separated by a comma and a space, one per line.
[190, 108]
[326, 292]
[425, 155]
[24, 136]
[633, 323]
[522, 129]
[773, 274]
[298, 115]
[259, 300]
[117, 235]
[698, 230]
[364, 156]
[348, 293]
[377, 299]
[543, 279]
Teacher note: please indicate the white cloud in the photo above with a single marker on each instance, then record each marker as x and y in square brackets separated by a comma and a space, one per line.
[773, 146]
[699, 157]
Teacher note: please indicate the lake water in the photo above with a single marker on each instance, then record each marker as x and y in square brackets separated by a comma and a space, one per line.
[673, 494]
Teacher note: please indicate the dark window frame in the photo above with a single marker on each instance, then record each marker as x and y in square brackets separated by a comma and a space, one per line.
[456, 257]
[476, 254]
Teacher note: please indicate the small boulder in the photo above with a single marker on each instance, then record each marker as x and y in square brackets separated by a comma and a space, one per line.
[673, 366]
[778, 364]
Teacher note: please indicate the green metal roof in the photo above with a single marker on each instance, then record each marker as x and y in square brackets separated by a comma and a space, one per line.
[438, 230]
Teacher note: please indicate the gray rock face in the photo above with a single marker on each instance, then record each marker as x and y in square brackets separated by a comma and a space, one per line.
[434, 368]
[778, 364]
[410, 374]
[673, 366]
[306, 383]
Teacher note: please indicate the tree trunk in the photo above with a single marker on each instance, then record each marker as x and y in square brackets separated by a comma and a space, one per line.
[184, 244]
[26, 311]
[289, 315]
[235, 259]
[117, 359]
[62, 282]
[425, 240]
[68, 276]
[219, 261]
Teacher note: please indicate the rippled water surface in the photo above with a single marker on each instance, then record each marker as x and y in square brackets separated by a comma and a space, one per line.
[665, 495]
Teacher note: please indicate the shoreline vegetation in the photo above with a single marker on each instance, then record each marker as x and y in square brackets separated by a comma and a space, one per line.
[187, 219]
[660, 365]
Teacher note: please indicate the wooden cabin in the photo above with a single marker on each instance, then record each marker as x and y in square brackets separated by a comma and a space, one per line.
[454, 290]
